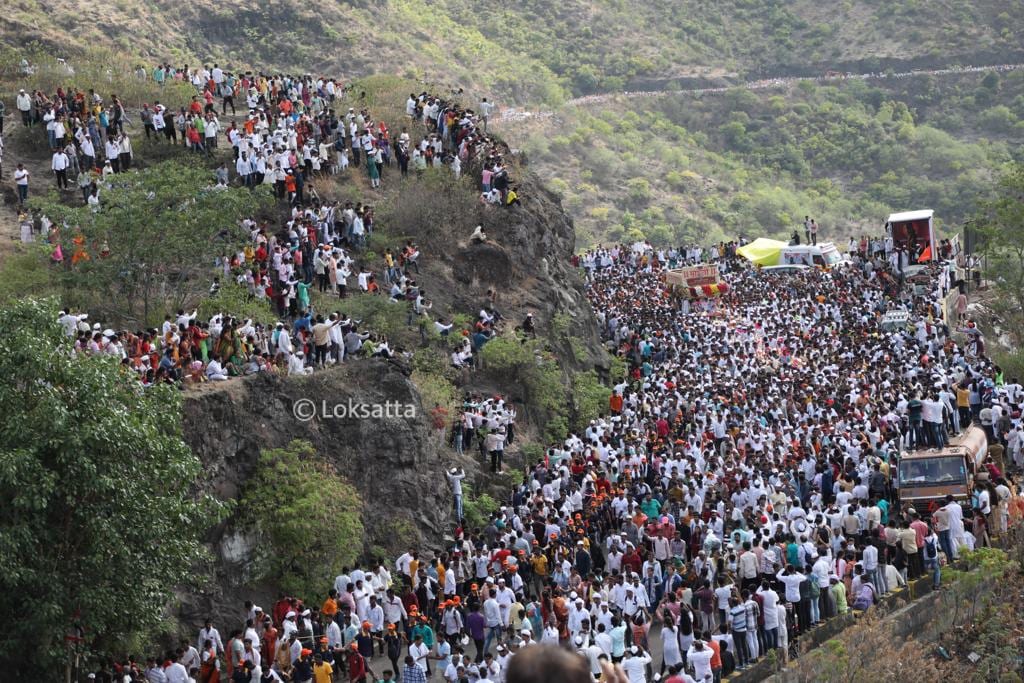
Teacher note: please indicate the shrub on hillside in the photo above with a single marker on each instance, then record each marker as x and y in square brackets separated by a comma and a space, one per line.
[308, 519]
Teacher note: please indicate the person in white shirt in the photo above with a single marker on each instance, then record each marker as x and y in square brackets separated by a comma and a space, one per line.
[189, 656]
[420, 653]
[251, 654]
[634, 665]
[124, 152]
[455, 477]
[69, 321]
[208, 632]
[214, 371]
[24, 105]
[297, 364]
[492, 615]
[792, 579]
[112, 152]
[770, 600]
[486, 109]
[956, 525]
[175, 672]
[505, 598]
[699, 656]
[59, 164]
[394, 609]
[21, 176]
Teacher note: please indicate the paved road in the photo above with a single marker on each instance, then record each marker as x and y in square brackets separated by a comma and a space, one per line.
[513, 114]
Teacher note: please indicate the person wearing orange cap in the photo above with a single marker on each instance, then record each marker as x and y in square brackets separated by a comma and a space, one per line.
[358, 666]
[302, 667]
[393, 640]
[364, 640]
[451, 618]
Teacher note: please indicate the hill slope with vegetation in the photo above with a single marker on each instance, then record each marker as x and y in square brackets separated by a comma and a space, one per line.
[746, 163]
[531, 51]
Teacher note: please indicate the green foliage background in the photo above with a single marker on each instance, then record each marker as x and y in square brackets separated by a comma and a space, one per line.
[308, 518]
[100, 521]
[163, 225]
[531, 51]
[704, 168]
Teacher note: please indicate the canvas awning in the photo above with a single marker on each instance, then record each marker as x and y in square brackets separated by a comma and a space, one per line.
[762, 251]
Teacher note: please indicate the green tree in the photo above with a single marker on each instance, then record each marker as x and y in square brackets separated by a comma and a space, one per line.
[1000, 224]
[163, 227]
[639, 190]
[590, 397]
[308, 517]
[100, 521]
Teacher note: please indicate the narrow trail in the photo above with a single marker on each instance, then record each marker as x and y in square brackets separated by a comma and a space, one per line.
[513, 115]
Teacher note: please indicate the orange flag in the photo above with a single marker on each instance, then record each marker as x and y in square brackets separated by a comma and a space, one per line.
[926, 255]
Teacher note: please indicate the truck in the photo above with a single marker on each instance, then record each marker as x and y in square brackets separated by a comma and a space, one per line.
[927, 477]
[766, 252]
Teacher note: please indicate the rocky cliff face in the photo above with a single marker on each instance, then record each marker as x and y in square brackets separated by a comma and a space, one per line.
[397, 462]
[393, 460]
[525, 259]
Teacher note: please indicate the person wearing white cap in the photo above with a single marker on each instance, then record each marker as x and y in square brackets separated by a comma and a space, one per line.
[635, 664]
[505, 598]
[24, 104]
[288, 626]
[455, 477]
[502, 661]
[296, 364]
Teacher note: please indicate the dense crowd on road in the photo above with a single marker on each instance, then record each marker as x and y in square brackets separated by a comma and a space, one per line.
[740, 489]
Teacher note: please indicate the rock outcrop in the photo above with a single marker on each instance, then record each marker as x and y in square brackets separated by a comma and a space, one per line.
[393, 459]
[396, 462]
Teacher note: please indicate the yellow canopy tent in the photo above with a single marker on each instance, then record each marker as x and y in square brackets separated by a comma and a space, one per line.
[762, 251]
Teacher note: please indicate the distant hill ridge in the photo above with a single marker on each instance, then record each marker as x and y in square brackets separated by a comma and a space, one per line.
[534, 50]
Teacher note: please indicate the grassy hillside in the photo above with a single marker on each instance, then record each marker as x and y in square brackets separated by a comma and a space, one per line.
[755, 162]
[529, 51]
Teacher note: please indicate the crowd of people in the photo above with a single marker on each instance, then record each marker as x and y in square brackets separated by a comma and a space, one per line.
[290, 135]
[741, 489]
[291, 130]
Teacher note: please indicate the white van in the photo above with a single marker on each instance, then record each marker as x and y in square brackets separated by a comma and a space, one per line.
[824, 255]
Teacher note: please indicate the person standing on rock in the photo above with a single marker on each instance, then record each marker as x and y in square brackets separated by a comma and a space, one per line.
[486, 109]
[494, 444]
[455, 477]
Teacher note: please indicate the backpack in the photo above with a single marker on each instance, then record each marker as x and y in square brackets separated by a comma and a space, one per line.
[930, 552]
